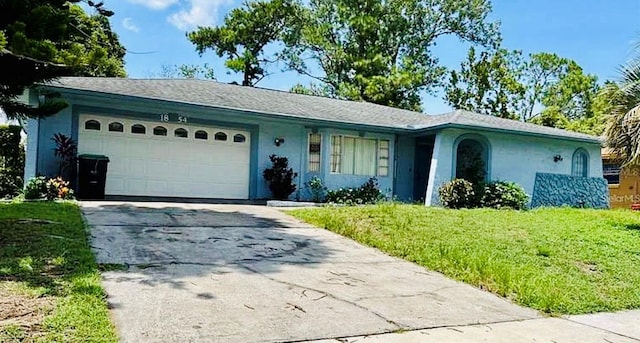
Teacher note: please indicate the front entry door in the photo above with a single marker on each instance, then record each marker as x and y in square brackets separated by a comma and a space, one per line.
[424, 152]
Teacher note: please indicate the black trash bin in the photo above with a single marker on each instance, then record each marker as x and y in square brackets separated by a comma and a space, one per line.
[92, 176]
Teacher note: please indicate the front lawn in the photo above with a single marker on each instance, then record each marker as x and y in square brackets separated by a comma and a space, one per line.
[556, 260]
[49, 282]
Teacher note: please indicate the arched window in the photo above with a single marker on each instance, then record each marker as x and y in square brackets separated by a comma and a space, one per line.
[180, 133]
[472, 159]
[159, 131]
[580, 163]
[92, 125]
[239, 138]
[220, 136]
[200, 134]
[116, 127]
[138, 129]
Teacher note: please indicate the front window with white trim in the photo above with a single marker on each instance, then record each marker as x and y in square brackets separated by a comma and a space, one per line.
[359, 156]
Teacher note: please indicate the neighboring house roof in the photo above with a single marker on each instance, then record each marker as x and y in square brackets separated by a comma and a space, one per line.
[285, 104]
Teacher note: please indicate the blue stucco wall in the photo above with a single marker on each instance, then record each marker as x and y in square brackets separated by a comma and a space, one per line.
[293, 148]
[47, 163]
[513, 157]
[263, 132]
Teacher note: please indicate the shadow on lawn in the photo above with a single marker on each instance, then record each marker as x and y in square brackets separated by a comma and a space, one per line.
[46, 255]
[635, 227]
[164, 244]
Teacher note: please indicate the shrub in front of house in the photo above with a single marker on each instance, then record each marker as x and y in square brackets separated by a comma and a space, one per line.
[50, 189]
[503, 194]
[11, 161]
[36, 188]
[10, 183]
[458, 193]
[280, 177]
[367, 193]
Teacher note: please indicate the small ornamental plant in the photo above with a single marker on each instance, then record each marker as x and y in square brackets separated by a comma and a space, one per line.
[58, 188]
[316, 188]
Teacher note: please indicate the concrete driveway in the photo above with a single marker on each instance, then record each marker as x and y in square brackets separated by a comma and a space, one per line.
[230, 273]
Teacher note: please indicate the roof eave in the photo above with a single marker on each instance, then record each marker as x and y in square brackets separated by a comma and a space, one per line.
[510, 131]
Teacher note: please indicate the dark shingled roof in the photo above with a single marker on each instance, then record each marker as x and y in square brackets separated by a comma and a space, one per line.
[280, 103]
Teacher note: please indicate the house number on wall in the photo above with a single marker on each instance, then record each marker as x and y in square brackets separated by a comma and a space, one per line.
[167, 118]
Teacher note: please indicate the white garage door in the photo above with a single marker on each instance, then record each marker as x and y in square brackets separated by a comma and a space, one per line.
[165, 159]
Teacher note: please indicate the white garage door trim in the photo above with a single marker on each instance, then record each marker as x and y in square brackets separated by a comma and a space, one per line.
[155, 165]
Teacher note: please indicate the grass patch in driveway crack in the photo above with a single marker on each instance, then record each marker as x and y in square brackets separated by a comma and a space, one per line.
[556, 260]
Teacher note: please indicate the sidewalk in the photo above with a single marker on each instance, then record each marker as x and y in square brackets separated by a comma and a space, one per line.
[601, 327]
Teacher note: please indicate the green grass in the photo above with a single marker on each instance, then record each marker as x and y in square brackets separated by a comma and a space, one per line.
[556, 260]
[44, 253]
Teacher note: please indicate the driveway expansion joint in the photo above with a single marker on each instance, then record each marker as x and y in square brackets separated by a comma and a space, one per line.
[601, 329]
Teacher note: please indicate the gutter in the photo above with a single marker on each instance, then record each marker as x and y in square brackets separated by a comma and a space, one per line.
[594, 140]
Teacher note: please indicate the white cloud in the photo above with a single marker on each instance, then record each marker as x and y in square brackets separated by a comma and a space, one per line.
[128, 24]
[200, 13]
[155, 4]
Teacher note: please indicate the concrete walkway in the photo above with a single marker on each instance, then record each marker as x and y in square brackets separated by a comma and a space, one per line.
[230, 273]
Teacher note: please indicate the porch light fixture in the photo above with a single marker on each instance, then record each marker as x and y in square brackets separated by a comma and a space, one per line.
[557, 158]
[278, 141]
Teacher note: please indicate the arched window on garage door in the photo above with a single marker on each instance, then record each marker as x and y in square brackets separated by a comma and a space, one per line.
[92, 125]
[159, 131]
[239, 138]
[181, 133]
[220, 136]
[116, 127]
[138, 129]
[201, 134]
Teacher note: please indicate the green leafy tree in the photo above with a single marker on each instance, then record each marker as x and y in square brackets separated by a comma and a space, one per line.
[544, 89]
[92, 48]
[553, 81]
[489, 84]
[381, 50]
[623, 122]
[45, 39]
[247, 32]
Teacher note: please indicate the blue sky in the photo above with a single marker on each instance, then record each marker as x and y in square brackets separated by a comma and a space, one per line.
[598, 34]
